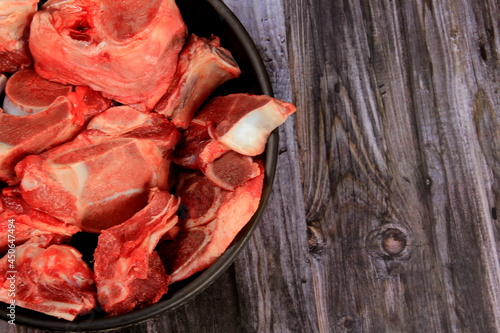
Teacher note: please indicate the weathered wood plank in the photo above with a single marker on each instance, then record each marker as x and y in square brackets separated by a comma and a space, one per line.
[389, 90]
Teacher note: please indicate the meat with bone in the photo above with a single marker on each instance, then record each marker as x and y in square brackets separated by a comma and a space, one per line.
[15, 19]
[49, 278]
[35, 133]
[201, 242]
[224, 167]
[129, 273]
[243, 122]
[194, 139]
[203, 66]
[26, 222]
[27, 93]
[103, 176]
[200, 199]
[89, 100]
[124, 50]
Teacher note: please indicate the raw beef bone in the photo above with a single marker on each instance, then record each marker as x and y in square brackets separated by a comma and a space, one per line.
[15, 19]
[27, 93]
[226, 168]
[200, 199]
[203, 66]
[49, 278]
[129, 273]
[226, 132]
[32, 134]
[223, 166]
[126, 49]
[207, 230]
[25, 223]
[104, 175]
[243, 122]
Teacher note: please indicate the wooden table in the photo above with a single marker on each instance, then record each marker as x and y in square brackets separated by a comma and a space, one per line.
[384, 214]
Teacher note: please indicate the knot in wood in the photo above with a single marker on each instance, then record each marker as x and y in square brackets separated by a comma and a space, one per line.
[347, 322]
[393, 241]
[389, 242]
[315, 239]
[428, 182]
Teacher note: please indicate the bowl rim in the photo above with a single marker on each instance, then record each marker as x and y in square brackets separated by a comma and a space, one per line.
[208, 276]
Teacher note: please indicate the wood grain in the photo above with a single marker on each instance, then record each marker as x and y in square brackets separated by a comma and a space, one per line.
[384, 213]
[393, 102]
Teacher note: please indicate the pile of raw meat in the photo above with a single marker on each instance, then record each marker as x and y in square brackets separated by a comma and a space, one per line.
[106, 128]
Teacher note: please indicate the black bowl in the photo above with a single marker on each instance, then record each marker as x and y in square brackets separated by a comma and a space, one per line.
[203, 17]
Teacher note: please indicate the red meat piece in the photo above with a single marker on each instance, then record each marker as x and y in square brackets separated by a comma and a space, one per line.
[200, 199]
[194, 139]
[129, 273]
[224, 167]
[125, 49]
[203, 66]
[103, 176]
[26, 222]
[48, 278]
[15, 19]
[27, 93]
[198, 247]
[3, 82]
[35, 133]
[243, 122]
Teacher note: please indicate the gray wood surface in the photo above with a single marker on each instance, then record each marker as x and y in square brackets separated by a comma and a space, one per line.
[384, 213]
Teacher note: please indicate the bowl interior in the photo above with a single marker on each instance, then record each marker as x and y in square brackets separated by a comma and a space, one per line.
[203, 17]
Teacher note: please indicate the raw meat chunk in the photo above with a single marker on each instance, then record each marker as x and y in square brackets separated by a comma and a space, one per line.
[125, 49]
[199, 245]
[26, 222]
[52, 279]
[58, 119]
[203, 66]
[15, 19]
[21, 136]
[238, 122]
[194, 139]
[103, 176]
[90, 101]
[129, 273]
[27, 93]
[243, 122]
[224, 167]
[200, 199]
